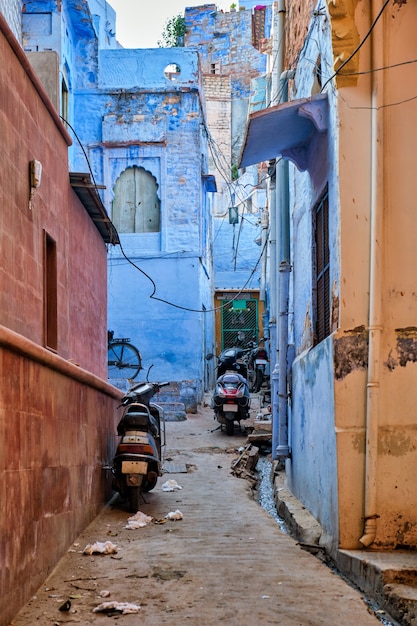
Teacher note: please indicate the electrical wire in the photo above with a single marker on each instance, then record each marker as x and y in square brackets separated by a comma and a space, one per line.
[183, 308]
[359, 46]
[153, 296]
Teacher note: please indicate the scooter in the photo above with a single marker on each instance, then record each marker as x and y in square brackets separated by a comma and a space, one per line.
[232, 359]
[231, 400]
[138, 459]
[256, 364]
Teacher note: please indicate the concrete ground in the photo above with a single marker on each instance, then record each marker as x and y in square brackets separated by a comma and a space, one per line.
[226, 561]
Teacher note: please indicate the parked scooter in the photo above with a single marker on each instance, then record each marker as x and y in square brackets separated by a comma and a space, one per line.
[138, 459]
[232, 359]
[231, 400]
[256, 364]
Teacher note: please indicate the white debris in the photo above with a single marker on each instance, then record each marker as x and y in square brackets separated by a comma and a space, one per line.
[104, 594]
[174, 515]
[100, 548]
[171, 485]
[139, 520]
[124, 607]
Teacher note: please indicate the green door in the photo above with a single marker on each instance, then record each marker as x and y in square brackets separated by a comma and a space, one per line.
[239, 323]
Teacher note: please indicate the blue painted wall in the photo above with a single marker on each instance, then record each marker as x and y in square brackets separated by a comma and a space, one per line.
[313, 469]
[127, 113]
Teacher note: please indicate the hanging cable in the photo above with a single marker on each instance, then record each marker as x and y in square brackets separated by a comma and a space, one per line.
[350, 57]
[153, 296]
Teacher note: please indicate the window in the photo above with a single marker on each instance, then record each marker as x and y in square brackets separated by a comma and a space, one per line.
[136, 206]
[321, 268]
[50, 293]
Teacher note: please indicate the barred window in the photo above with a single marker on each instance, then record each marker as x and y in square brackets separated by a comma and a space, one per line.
[321, 268]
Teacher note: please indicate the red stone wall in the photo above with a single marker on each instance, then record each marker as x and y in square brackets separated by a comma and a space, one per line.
[27, 132]
[57, 419]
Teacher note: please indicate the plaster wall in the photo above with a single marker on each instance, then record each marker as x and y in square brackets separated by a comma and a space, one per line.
[137, 117]
[57, 412]
[11, 11]
[235, 262]
[229, 62]
[371, 160]
[389, 135]
[54, 209]
[313, 473]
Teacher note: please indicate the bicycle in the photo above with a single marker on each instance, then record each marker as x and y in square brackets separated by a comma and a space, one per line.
[123, 359]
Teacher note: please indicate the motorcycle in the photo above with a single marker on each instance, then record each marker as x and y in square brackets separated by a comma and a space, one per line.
[256, 364]
[138, 459]
[231, 400]
[232, 359]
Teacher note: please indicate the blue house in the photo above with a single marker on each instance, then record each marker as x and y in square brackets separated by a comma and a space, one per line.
[140, 135]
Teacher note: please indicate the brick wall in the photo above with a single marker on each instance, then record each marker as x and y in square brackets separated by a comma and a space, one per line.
[298, 18]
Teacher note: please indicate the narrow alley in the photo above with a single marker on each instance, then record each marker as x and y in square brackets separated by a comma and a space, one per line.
[225, 561]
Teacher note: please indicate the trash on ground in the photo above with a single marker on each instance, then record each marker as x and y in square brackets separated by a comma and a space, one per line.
[245, 465]
[138, 520]
[66, 606]
[104, 594]
[171, 485]
[174, 515]
[122, 607]
[100, 547]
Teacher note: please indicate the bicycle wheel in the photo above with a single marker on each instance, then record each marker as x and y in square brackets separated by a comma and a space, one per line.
[123, 360]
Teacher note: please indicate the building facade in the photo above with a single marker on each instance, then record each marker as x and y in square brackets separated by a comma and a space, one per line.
[57, 410]
[231, 46]
[139, 121]
[346, 427]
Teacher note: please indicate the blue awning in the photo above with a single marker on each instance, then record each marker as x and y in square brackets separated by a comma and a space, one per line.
[293, 130]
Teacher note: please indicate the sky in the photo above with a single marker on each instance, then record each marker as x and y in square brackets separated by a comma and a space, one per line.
[139, 23]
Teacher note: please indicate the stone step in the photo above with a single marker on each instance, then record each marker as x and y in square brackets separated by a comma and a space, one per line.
[173, 411]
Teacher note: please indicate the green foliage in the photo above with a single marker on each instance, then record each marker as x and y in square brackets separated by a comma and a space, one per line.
[173, 33]
[235, 172]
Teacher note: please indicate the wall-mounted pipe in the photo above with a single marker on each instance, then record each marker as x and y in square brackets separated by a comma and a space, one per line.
[275, 236]
[375, 288]
[282, 450]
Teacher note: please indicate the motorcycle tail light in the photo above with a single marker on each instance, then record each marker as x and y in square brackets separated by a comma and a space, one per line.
[129, 448]
[262, 355]
[220, 391]
[240, 392]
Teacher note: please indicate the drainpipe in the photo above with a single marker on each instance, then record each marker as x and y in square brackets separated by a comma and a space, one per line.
[375, 292]
[264, 239]
[282, 450]
[278, 56]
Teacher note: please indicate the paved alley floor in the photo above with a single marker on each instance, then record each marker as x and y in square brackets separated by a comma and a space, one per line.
[226, 561]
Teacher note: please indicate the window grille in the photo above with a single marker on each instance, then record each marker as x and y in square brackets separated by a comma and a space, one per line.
[239, 322]
[321, 268]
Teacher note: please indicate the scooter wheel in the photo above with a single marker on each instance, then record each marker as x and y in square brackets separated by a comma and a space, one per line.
[150, 484]
[229, 427]
[258, 381]
[134, 499]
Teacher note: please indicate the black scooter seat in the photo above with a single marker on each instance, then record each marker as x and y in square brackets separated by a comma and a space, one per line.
[138, 421]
